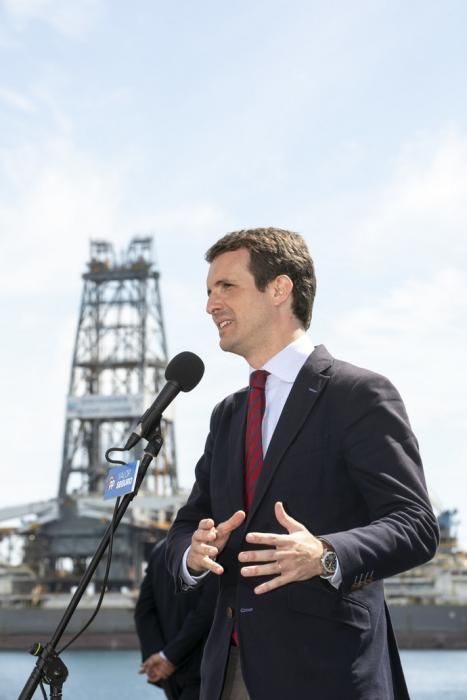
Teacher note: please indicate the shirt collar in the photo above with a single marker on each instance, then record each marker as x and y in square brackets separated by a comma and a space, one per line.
[287, 363]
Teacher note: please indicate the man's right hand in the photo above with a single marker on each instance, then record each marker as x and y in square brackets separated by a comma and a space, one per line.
[208, 541]
[157, 668]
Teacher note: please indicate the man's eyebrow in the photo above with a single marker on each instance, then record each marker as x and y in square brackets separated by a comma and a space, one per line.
[217, 283]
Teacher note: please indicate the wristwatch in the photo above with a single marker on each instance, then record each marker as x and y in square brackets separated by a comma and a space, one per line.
[328, 561]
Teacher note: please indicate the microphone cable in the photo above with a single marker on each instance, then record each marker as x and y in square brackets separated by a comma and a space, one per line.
[109, 558]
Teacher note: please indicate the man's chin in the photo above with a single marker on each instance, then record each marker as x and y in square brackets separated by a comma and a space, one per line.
[228, 346]
[224, 345]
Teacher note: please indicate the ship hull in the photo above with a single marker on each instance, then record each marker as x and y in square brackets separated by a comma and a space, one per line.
[112, 628]
[430, 626]
[417, 627]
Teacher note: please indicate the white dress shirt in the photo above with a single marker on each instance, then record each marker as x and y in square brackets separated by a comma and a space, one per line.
[283, 370]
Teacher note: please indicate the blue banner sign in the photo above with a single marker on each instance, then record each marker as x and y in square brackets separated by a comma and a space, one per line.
[120, 480]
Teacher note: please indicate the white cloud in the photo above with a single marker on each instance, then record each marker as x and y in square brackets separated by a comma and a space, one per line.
[16, 100]
[422, 210]
[416, 334]
[199, 222]
[65, 16]
[403, 264]
[7, 41]
[54, 200]
[414, 237]
[411, 329]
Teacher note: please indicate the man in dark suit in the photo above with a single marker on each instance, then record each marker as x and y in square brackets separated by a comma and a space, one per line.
[302, 540]
[172, 629]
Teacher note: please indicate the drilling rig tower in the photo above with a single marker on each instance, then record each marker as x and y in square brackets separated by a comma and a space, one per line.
[118, 365]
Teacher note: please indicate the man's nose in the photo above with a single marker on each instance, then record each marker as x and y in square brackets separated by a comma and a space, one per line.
[213, 303]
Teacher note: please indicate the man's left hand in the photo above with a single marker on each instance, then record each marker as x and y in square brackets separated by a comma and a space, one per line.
[292, 557]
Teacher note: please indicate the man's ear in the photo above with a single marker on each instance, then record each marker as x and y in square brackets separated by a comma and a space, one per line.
[282, 287]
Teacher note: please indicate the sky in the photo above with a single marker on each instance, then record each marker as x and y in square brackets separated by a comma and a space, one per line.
[344, 121]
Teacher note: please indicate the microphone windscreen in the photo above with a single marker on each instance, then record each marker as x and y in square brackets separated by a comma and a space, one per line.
[186, 369]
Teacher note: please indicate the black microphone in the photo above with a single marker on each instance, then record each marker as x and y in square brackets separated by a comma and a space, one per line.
[183, 373]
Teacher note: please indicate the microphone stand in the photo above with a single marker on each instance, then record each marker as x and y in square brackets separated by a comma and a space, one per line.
[49, 667]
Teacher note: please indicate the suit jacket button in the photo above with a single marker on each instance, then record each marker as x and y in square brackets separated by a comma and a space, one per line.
[230, 613]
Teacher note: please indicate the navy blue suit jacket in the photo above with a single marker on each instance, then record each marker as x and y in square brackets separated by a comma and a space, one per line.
[176, 623]
[345, 463]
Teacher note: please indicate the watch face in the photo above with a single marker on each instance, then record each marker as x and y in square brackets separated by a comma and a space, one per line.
[329, 562]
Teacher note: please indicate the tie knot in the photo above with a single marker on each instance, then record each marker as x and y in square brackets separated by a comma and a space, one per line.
[258, 379]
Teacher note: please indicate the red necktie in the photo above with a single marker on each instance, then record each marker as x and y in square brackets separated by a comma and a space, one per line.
[253, 444]
[253, 438]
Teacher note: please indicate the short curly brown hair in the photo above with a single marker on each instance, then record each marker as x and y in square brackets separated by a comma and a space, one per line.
[274, 252]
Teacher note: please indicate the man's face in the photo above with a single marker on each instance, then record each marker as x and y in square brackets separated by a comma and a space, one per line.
[244, 316]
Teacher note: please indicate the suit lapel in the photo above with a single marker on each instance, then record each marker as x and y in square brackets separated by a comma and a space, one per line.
[303, 396]
[235, 452]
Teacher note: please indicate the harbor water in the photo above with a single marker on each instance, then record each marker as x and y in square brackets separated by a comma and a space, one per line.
[107, 675]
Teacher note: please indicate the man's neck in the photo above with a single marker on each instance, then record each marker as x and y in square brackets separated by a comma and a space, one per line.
[259, 359]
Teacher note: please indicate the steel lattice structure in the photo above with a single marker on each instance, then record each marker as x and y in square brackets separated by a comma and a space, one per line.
[119, 360]
[118, 366]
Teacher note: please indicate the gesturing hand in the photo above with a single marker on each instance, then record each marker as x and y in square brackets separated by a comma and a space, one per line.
[208, 541]
[292, 557]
